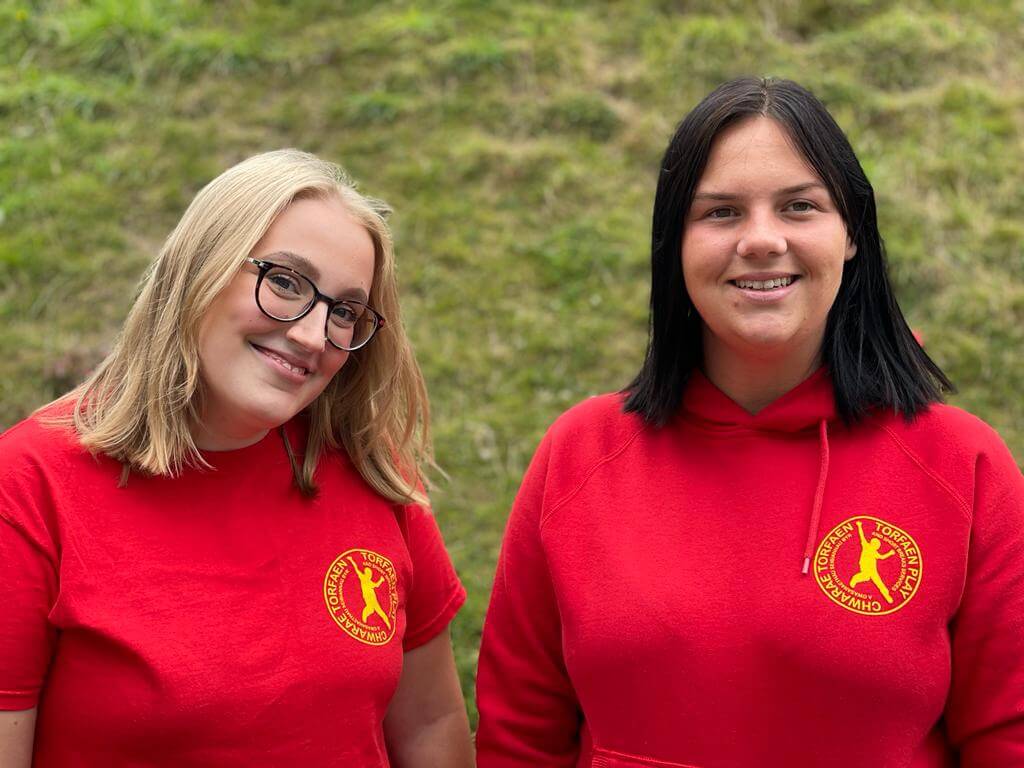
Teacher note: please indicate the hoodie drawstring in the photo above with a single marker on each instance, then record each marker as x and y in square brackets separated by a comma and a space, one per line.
[819, 495]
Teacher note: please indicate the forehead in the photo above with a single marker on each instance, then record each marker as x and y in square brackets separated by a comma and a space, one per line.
[756, 151]
[324, 241]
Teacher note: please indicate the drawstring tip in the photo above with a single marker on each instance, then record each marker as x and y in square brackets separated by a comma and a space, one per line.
[807, 566]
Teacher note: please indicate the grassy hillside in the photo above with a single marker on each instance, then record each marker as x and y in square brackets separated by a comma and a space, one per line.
[518, 143]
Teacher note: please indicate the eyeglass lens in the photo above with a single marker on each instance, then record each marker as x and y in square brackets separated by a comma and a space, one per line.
[285, 295]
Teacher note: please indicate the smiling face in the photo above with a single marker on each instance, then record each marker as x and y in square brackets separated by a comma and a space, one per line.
[763, 250]
[257, 372]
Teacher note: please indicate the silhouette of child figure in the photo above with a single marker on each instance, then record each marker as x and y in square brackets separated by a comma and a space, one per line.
[368, 587]
[869, 558]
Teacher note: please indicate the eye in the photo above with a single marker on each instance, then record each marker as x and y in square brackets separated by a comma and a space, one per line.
[346, 315]
[801, 206]
[284, 284]
[719, 213]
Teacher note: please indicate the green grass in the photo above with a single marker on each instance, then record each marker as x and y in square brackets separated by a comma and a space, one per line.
[518, 144]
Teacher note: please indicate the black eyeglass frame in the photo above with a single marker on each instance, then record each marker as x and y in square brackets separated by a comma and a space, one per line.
[266, 266]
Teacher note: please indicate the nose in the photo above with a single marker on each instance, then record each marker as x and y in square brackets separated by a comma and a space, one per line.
[309, 331]
[761, 237]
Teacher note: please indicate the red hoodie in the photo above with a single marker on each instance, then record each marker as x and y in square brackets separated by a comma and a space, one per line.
[650, 607]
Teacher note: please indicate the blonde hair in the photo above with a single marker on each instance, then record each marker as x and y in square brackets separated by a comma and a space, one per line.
[139, 403]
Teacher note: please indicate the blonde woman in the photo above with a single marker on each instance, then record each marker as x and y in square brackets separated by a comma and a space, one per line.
[190, 540]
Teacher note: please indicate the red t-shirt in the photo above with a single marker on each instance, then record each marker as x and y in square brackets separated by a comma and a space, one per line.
[217, 618]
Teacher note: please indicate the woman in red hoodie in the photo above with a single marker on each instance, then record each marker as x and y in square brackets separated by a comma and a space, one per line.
[776, 547]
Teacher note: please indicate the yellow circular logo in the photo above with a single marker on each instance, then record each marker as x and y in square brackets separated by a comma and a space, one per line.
[361, 592]
[868, 566]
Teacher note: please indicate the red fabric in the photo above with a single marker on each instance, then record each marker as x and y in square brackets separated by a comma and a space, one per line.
[649, 607]
[186, 621]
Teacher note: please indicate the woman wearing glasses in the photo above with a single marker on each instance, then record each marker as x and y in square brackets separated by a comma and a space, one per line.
[217, 550]
[775, 548]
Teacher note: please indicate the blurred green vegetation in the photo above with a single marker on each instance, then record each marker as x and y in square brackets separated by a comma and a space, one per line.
[518, 144]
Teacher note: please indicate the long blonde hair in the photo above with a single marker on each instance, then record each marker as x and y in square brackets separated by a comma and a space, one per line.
[139, 403]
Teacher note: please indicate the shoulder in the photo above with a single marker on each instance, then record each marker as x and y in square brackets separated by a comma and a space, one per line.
[36, 460]
[955, 446]
[946, 430]
[590, 432]
[39, 440]
[589, 436]
[597, 418]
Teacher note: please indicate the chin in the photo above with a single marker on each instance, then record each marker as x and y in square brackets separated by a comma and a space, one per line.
[765, 340]
[271, 414]
[768, 344]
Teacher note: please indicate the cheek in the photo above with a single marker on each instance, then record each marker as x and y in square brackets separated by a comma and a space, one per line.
[705, 254]
[700, 277]
[232, 313]
[828, 245]
[330, 367]
[835, 280]
[210, 340]
[332, 362]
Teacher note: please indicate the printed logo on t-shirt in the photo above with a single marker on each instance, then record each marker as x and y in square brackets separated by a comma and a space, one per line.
[868, 566]
[361, 592]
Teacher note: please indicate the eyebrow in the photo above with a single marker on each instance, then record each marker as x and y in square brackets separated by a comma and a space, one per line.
[297, 262]
[300, 263]
[787, 191]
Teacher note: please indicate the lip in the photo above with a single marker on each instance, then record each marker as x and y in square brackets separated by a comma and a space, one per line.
[269, 355]
[763, 276]
[765, 297]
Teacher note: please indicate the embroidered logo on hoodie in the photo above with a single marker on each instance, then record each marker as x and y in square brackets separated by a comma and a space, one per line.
[868, 566]
[361, 592]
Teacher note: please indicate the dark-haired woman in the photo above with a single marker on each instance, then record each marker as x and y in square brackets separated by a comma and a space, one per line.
[776, 547]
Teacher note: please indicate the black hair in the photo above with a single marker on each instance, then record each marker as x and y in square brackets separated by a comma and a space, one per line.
[872, 355]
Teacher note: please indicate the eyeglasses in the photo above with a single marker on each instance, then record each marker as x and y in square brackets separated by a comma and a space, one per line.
[286, 295]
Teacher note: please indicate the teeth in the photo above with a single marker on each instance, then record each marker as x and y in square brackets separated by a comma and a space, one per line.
[286, 364]
[765, 285]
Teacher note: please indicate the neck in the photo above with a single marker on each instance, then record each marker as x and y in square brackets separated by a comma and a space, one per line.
[753, 383]
[209, 436]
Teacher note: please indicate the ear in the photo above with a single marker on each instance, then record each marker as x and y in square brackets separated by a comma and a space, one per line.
[851, 249]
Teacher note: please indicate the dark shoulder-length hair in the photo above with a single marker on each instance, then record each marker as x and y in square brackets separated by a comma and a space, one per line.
[870, 352]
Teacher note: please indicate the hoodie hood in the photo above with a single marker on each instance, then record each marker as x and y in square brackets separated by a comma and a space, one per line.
[809, 405]
[804, 407]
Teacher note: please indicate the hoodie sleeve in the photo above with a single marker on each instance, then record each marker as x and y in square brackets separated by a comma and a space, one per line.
[529, 715]
[985, 712]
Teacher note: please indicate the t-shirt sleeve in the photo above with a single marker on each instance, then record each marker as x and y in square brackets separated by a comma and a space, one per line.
[28, 582]
[985, 712]
[529, 713]
[436, 593]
